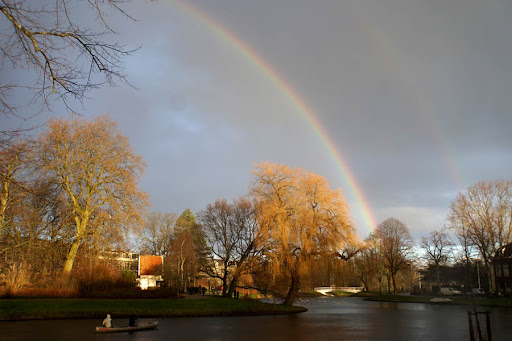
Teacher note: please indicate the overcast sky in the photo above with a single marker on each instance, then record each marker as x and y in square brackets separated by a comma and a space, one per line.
[414, 95]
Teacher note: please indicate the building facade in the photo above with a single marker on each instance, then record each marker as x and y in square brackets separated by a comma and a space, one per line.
[502, 266]
[150, 269]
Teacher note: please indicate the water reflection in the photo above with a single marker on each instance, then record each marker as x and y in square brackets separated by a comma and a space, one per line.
[326, 319]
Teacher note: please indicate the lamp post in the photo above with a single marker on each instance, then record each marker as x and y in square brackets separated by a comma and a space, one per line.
[478, 274]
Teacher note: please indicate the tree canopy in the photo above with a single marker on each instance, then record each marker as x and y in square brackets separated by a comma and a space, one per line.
[482, 217]
[395, 244]
[98, 172]
[300, 217]
[232, 233]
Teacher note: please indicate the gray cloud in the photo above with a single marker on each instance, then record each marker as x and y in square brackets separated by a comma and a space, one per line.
[414, 94]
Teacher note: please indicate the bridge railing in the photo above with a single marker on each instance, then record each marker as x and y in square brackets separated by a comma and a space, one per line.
[346, 289]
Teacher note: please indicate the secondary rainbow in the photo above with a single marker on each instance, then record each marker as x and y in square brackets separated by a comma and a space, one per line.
[297, 101]
[389, 53]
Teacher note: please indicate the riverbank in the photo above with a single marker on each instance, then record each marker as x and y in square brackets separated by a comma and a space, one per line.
[480, 301]
[40, 309]
[460, 300]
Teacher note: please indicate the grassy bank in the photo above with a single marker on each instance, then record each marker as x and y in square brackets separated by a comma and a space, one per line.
[34, 309]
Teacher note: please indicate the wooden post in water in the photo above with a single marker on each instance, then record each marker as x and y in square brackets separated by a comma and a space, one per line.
[470, 323]
[488, 325]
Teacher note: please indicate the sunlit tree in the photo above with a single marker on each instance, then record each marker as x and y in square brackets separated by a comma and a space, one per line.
[181, 265]
[96, 168]
[300, 217]
[12, 163]
[482, 217]
[34, 221]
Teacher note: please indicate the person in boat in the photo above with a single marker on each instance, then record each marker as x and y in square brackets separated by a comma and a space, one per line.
[107, 322]
[132, 321]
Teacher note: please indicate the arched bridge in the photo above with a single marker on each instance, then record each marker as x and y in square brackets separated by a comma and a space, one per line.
[327, 290]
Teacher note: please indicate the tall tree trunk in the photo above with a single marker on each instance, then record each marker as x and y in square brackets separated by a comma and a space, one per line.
[294, 288]
[364, 281]
[437, 276]
[178, 278]
[70, 259]
[232, 285]
[81, 225]
[182, 270]
[329, 281]
[236, 276]
[224, 285]
[379, 279]
[490, 276]
[181, 264]
[3, 206]
[394, 283]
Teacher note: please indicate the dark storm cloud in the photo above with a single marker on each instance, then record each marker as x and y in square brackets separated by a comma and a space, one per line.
[414, 94]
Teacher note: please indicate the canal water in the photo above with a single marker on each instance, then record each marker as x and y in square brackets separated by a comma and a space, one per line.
[326, 319]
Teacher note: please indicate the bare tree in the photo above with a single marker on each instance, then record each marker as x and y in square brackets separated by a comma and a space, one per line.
[158, 233]
[231, 233]
[217, 225]
[438, 248]
[482, 217]
[39, 231]
[396, 245]
[64, 43]
[12, 162]
[94, 165]
[369, 262]
[35, 222]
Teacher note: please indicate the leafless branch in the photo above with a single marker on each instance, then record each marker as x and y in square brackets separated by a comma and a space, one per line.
[51, 41]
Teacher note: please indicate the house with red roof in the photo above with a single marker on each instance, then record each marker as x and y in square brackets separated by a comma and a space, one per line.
[150, 270]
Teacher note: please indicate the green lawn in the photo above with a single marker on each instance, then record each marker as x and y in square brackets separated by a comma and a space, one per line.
[31, 309]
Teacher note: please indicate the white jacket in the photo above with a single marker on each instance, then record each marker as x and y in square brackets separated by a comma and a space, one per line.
[107, 322]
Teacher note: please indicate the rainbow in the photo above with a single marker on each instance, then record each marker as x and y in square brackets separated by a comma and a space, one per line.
[297, 101]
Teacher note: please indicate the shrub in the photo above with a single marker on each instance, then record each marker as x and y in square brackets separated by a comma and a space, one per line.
[49, 292]
[97, 277]
[16, 277]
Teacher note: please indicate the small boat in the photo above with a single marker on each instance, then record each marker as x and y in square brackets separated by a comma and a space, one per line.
[142, 326]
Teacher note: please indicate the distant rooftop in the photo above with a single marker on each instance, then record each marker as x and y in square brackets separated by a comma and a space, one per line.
[505, 252]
